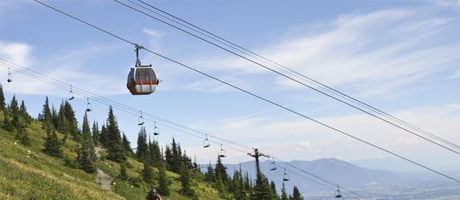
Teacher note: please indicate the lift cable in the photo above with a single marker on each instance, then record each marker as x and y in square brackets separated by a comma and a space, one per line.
[343, 95]
[261, 98]
[63, 86]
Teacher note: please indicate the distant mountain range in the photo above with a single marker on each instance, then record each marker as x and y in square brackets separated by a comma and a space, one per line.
[362, 180]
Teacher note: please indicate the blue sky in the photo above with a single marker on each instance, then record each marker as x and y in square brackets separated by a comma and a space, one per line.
[401, 56]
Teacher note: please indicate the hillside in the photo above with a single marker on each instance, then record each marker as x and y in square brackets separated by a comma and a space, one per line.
[28, 173]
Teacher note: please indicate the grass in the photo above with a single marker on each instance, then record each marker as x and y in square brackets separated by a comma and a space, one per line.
[28, 173]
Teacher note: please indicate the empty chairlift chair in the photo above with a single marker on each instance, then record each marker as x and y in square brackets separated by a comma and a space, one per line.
[338, 194]
[89, 108]
[156, 130]
[206, 143]
[10, 79]
[285, 176]
[222, 152]
[140, 120]
[142, 79]
[71, 95]
[273, 165]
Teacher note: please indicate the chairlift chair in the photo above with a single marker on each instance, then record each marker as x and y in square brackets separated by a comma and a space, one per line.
[89, 107]
[10, 79]
[71, 95]
[338, 194]
[206, 143]
[142, 79]
[156, 130]
[285, 176]
[273, 165]
[222, 152]
[140, 120]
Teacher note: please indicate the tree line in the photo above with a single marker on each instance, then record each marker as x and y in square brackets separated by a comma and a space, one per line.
[156, 160]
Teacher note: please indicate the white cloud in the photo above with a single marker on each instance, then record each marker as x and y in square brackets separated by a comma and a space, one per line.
[303, 139]
[376, 50]
[66, 67]
[18, 53]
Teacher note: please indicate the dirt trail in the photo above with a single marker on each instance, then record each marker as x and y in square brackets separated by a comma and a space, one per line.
[102, 178]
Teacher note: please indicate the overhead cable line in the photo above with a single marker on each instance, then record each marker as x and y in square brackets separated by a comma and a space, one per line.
[372, 111]
[104, 101]
[84, 93]
[255, 95]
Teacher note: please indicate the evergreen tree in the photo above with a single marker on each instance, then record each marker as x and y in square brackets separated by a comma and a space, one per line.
[142, 146]
[155, 154]
[221, 170]
[86, 157]
[23, 137]
[127, 145]
[14, 109]
[163, 187]
[69, 114]
[169, 157]
[296, 194]
[147, 172]
[46, 114]
[185, 182]
[7, 125]
[262, 191]
[284, 195]
[55, 118]
[23, 113]
[52, 144]
[63, 124]
[114, 145]
[95, 131]
[209, 175]
[103, 136]
[273, 190]
[2, 99]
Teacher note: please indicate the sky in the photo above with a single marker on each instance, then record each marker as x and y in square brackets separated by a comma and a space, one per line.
[400, 56]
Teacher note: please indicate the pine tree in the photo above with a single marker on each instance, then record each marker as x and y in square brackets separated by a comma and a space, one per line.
[46, 114]
[262, 191]
[23, 137]
[296, 194]
[86, 155]
[185, 182]
[72, 120]
[209, 175]
[141, 145]
[155, 154]
[114, 146]
[52, 144]
[6, 122]
[221, 170]
[169, 157]
[127, 145]
[2, 99]
[23, 112]
[273, 190]
[163, 182]
[14, 110]
[147, 172]
[54, 117]
[95, 131]
[284, 195]
[103, 136]
[63, 125]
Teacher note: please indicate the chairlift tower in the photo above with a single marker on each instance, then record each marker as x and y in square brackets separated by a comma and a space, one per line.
[256, 155]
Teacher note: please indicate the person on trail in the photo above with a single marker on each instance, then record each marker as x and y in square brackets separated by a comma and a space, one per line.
[153, 195]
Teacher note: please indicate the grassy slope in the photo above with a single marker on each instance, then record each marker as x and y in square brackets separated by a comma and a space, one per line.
[36, 175]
